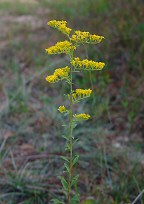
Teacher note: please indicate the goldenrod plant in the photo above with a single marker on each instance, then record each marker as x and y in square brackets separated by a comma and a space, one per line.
[66, 73]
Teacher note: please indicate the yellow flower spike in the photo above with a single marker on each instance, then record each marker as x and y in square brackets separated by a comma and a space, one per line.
[54, 23]
[60, 25]
[86, 37]
[82, 116]
[83, 92]
[52, 78]
[87, 64]
[62, 109]
[62, 72]
[59, 74]
[61, 47]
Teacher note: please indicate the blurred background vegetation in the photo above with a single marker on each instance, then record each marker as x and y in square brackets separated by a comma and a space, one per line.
[111, 144]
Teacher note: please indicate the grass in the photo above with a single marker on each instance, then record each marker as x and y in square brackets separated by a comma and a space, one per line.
[16, 7]
[111, 149]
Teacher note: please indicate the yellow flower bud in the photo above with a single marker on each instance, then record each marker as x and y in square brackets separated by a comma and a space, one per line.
[62, 109]
[82, 116]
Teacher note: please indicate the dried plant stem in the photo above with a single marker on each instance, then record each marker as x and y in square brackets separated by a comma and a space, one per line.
[138, 198]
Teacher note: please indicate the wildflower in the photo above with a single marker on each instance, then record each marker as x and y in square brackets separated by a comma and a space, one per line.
[52, 78]
[80, 94]
[62, 109]
[74, 96]
[86, 37]
[60, 25]
[82, 116]
[62, 72]
[61, 47]
[59, 74]
[83, 92]
[87, 64]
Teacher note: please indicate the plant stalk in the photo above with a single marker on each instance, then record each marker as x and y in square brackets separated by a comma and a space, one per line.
[70, 141]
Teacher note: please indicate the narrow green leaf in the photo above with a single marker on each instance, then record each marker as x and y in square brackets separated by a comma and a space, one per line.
[65, 158]
[75, 160]
[67, 168]
[76, 140]
[64, 183]
[65, 137]
[74, 180]
[75, 199]
[67, 146]
[74, 124]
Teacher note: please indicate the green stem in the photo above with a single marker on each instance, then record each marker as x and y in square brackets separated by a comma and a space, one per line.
[70, 140]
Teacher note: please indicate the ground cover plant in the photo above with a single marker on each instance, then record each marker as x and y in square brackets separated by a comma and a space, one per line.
[111, 165]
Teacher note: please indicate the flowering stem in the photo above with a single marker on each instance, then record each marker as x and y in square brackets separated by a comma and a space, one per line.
[70, 139]
[66, 73]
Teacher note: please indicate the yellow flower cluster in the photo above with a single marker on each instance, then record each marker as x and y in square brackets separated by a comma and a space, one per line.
[82, 116]
[61, 47]
[86, 37]
[60, 25]
[80, 94]
[62, 109]
[62, 72]
[52, 78]
[83, 92]
[59, 74]
[87, 64]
